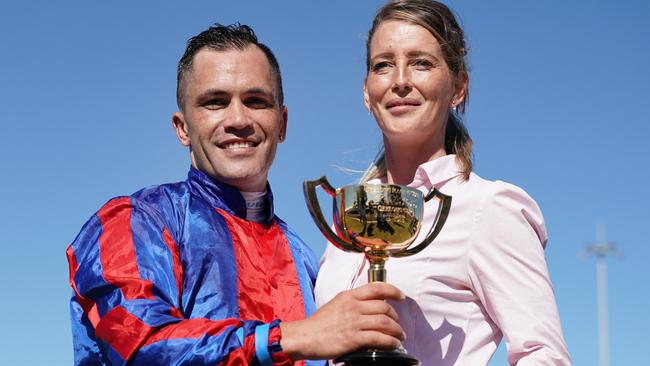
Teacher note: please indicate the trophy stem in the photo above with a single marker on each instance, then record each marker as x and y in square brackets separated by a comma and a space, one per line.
[376, 272]
[377, 260]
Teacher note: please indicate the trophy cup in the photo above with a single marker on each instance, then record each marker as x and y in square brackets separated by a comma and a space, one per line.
[381, 221]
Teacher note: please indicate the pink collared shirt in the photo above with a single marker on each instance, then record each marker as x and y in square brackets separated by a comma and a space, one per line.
[483, 278]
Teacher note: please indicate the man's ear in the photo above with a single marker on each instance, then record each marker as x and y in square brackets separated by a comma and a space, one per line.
[181, 128]
[283, 127]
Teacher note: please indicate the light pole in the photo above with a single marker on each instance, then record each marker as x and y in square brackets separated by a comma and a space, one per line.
[601, 249]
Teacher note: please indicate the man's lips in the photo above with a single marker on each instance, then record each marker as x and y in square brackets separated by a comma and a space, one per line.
[237, 144]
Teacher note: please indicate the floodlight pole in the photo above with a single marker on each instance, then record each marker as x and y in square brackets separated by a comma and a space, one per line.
[601, 249]
[603, 328]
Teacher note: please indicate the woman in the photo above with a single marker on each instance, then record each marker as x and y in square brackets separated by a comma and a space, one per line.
[485, 275]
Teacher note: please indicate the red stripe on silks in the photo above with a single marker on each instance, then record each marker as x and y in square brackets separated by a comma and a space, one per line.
[239, 356]
[89, 307]
[116, 251]
[176, 259]
[175, 313]
[124, 332]
[267, 282]
[235, 358]
[192, 328]
[93, 315]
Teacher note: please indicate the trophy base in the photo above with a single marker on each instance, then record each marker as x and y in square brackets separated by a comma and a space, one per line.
[377, 357]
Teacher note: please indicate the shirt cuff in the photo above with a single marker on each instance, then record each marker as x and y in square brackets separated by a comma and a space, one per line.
[274, 349]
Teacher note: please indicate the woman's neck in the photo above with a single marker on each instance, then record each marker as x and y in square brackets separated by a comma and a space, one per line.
[403, 158]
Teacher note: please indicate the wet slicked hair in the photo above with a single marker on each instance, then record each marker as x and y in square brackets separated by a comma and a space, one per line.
[223, 38]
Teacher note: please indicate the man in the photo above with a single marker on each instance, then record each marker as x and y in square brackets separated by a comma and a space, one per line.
[202, 271]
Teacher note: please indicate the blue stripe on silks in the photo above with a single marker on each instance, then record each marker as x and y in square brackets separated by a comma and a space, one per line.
[208, 264]
[86, 244]
[240, 335]
[153, 257]
[262, 345]
[85, 347]
[306, 266]
[154, 313]
[114, 358]
[86, 252]
[210, 350]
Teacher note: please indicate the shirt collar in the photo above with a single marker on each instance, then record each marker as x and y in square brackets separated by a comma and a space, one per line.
[224, 196]
[435, 171]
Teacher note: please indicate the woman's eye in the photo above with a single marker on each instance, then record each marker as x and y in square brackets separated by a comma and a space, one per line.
[422, 64]
[380, 66]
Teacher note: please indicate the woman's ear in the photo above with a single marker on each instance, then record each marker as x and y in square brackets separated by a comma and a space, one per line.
[460, 89]
[366, 98]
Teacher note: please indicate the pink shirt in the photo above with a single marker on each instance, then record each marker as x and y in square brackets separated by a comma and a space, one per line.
[484, 276]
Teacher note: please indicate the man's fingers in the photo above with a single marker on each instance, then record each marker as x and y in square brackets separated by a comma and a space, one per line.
[382, 324]
[379, 340]
[371, 307]
[377, 290]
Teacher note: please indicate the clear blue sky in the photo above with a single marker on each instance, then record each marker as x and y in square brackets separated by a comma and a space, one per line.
[558, 100]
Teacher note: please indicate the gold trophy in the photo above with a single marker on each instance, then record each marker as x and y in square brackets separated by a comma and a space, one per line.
[381, 221]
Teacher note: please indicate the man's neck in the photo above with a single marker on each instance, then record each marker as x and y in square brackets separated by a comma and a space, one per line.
[256, 206]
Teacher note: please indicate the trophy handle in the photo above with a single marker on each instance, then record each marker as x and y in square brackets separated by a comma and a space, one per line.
[441, 218]
[309, 189]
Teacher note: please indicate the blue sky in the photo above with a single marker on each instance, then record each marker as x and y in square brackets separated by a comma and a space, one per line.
[557, 106]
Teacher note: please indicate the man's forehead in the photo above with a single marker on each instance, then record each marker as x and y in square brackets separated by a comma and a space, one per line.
[247, 63]
[231, 70]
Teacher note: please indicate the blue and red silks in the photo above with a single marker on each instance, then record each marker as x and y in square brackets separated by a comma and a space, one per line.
[173, 275]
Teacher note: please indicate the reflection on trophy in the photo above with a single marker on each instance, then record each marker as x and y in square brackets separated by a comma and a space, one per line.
[381, 221]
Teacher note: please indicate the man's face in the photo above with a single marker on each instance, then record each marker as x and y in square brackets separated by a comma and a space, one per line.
[231, 118]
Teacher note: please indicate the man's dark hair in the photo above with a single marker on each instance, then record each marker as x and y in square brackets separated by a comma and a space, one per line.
[223, 38]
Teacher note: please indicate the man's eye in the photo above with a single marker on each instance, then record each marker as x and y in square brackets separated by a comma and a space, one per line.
[379, 66]
[215, 103]
[258, 103]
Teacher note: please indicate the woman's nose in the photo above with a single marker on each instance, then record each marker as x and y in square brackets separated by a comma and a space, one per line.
[402, 79]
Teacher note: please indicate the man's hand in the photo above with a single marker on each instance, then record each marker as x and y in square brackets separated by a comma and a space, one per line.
[354, 319]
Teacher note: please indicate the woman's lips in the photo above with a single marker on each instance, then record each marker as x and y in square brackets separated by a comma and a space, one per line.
[401, 106]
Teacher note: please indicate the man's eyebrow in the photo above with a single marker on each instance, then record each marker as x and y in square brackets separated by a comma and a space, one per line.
[212, 93]
[259, 90]
[216, 93]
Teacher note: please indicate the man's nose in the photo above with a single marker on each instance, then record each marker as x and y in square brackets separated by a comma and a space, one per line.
[236, 116]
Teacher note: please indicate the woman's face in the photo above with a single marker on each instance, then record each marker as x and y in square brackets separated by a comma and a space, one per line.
[409, 87]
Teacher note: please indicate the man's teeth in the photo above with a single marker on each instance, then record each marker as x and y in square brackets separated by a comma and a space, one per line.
[238, 145]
